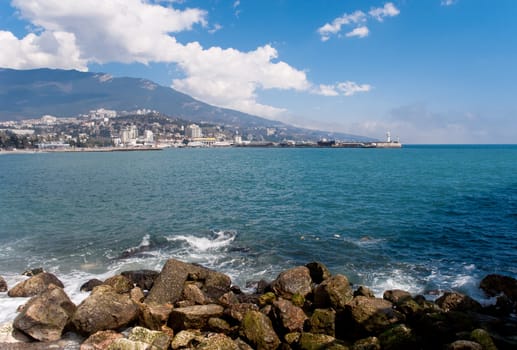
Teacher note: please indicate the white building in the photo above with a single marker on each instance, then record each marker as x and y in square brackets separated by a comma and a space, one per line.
[129, 135]
[193, 131]
[148, 136]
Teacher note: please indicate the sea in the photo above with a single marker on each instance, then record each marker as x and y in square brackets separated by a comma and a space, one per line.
[425, 219]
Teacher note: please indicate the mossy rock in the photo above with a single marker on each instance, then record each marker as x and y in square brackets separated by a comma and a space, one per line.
[267, 299]
[483, 338]
[398, 337]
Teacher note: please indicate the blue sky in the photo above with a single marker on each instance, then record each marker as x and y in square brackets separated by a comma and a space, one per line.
[430, 71]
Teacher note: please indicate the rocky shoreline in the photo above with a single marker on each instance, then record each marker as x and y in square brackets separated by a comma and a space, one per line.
[187, 306]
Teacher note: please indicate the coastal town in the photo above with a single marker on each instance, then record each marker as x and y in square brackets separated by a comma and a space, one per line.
[109, 130]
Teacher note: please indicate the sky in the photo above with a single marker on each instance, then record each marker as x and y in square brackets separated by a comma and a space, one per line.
[429, 71]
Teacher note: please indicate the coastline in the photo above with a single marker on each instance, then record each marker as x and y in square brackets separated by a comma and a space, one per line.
[304, 307]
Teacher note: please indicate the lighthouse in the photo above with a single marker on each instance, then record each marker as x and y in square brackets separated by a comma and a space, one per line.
[388, 137]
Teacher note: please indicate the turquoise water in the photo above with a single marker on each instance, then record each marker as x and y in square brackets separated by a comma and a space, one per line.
[421, 218]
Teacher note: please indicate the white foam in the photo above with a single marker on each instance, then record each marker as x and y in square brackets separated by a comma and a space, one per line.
[202, 244]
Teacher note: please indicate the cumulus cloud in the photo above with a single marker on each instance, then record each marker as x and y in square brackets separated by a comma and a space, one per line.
[72, 34]
[359, 31]
[389, 10]
[357, 19]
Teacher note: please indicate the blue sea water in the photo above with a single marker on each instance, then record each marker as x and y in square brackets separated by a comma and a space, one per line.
[421, 218]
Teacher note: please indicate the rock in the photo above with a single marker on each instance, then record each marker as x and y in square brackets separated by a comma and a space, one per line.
[154, 316]
[88, 286]
[33, 272]
[242, 344]
[398, 337]
[104, 309]
[183, 339]
[309, 341]
[290, 318]
[323, 321]
[45, 316]
[219, 325]
[396, 296]
[238, 311]
[141, 278]
[258, 330]
[169, 284]
[464, 345]
[137, 295]
[158, 340]
[266, 299]
[126, 344]
[483, 338]
[3, 285]
[298, 300]
[10, 335]
[100, 340]
[293, 281]
[505, 288]
[370, 343]
[334, 292]
[439, 328]
[318, 272]
[194, 317]
[119, 283]
[193, 293]
[34, 285]
[364, 291]
[217, 342]
[371, 315]
[452, 301]
[228, 299]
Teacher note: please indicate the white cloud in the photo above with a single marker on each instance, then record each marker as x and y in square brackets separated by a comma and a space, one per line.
[389, 10]
[72, 34]
[347, 88]
[358, 19]
[360, 32]
[335, 27]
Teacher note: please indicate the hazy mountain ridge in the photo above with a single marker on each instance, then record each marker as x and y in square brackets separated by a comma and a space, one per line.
[28, 94]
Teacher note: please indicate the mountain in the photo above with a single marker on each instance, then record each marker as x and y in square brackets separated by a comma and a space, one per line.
[26, 94]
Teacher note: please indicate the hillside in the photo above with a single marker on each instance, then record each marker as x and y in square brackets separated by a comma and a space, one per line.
[28, 94]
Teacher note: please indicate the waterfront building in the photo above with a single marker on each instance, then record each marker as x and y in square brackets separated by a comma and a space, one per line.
[193, 131]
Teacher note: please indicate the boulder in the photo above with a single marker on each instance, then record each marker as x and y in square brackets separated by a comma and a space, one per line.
[45, 316]
[258, 330]
[141, 278]
[104, 309]
[34, 285]
[154, 316]
[334, 292]
[266, 299]
[364, 291]
[3, 285]
[218, 325]
[396, 296]
[88, 286]
[119, 283]
[505, 289]
[194, 317]
[158, 340]
[309, 341]
[323, 321]
[191, 292]
[126, 344]
[100, 340]
[318, 271]
[168, 285]
[452, 301]
[370, 343]
[183, 339]
[217, 342]
[288, 317]
[293, 281]
[398, 337]
[10, 335]
[137, 295]
[464, 345]
[238, 311]
[370, 315]
[33, 272]
[483, 338]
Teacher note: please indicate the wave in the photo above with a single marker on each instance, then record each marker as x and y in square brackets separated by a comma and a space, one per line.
[217, 240]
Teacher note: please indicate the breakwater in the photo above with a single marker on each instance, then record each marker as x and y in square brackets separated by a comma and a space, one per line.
[187, 306]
